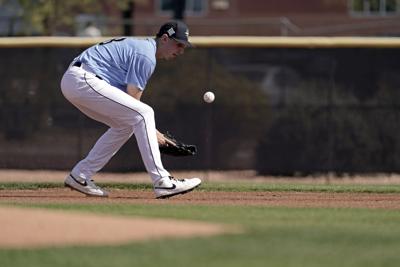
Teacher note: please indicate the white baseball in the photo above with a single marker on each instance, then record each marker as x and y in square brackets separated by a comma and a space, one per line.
[209, 97]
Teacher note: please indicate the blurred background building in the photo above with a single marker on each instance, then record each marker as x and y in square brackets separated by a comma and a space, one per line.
[205, 17]
[279, 17]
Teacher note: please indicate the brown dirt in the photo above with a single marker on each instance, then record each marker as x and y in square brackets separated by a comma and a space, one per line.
[27, 227]
[21, 228]
[285, 199]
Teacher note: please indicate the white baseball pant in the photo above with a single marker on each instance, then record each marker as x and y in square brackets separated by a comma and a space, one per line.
[124, 115]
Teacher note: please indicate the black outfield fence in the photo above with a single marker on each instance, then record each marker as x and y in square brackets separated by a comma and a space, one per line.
[281, 110]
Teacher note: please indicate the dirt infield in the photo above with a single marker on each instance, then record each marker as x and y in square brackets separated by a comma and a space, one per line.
[288, 199]
[37, 228]
[42, 228]
[284, 199]
[33, 228]
[25, 228]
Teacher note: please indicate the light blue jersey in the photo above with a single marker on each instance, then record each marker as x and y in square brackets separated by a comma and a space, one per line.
[122, 61]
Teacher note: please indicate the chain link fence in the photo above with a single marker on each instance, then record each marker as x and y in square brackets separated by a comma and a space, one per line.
[281, 111]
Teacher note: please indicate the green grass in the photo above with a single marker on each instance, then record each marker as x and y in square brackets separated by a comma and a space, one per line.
[274, 236]
[230, 187]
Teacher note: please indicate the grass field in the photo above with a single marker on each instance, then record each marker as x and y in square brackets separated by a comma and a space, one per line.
[273, 236]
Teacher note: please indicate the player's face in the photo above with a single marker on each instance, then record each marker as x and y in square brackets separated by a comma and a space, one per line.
[173, 49]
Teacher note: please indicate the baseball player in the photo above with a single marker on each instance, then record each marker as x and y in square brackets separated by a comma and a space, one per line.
[106, 83]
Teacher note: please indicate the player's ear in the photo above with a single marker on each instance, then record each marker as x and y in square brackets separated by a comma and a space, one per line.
[164, 38]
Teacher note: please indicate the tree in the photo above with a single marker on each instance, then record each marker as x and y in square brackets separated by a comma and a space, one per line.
[47, 17]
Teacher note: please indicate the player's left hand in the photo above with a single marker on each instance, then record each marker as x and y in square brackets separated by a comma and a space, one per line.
[162, 140]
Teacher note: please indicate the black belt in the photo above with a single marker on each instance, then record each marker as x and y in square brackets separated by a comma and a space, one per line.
[79, 64]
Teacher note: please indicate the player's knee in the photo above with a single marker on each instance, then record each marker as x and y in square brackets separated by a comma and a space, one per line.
[147, 112]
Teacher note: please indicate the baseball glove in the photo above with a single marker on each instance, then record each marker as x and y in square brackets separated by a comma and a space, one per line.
[177, 148]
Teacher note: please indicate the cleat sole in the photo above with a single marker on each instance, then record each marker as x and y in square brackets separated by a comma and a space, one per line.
[178, 193]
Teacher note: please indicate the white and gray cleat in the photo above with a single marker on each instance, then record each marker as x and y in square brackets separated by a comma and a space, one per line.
[87, 187]
[169, 186]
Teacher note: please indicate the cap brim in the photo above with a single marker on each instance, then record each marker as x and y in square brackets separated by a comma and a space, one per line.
[186, 43]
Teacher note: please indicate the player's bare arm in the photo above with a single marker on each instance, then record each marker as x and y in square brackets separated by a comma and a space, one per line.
[134, 91]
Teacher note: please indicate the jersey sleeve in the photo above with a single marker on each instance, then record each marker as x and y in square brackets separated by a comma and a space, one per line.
[139, 71]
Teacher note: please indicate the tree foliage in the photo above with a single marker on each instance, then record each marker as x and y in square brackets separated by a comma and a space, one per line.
[47, 17]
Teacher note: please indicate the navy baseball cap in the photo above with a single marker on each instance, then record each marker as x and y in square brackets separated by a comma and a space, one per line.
[176, 30]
